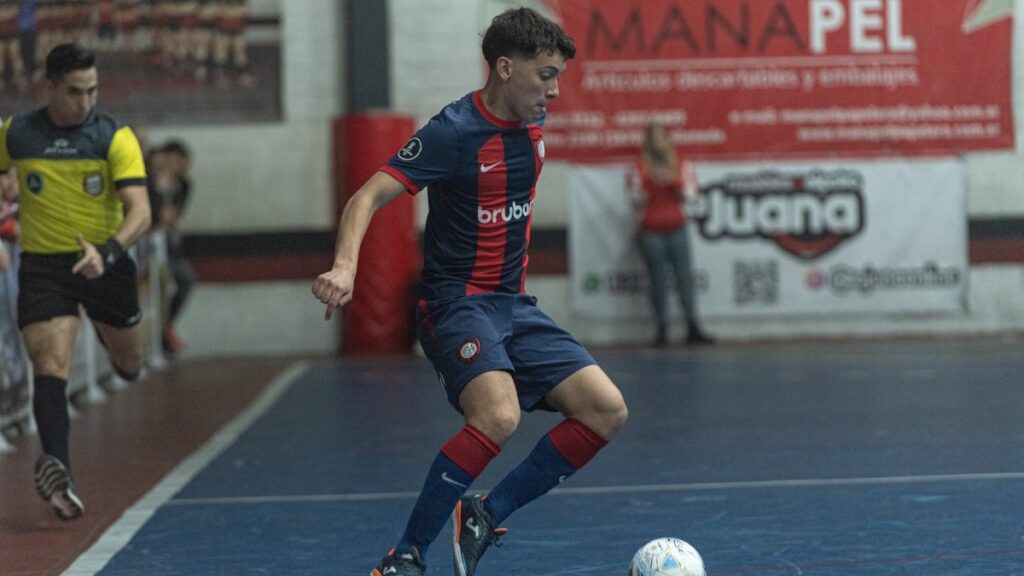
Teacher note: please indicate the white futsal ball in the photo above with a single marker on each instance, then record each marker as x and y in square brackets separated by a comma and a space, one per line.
[667, 557]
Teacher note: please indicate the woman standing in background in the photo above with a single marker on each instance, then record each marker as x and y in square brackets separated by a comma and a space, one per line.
[660, 184]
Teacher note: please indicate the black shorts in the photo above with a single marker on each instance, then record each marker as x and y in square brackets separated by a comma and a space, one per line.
[47, 289]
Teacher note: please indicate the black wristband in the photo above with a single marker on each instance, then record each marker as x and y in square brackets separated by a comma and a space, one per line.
[111, 251]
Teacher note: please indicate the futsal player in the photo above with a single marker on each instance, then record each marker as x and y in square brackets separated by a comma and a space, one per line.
[496, 354]
[83, 203]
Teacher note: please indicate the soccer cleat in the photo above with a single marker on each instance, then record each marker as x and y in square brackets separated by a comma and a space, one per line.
[407, 564]
[54, 485]
[472, 533]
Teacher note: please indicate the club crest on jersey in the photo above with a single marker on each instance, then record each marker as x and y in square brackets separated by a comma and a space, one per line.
[93, 184]
[411, 150]
[469, 351]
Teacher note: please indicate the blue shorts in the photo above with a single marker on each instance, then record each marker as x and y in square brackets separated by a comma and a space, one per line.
[466, 337]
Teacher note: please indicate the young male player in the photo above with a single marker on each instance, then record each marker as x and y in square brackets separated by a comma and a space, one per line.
[495, 352]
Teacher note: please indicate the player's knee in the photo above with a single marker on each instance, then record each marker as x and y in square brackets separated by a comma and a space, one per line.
[51, 366]
[499, 423]
[607, 418]
[613, 416]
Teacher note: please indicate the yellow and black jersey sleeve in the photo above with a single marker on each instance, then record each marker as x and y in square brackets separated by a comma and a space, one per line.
[127, 167]
[70, 179]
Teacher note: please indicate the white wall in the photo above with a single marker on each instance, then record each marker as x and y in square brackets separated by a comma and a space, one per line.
[269, 177]
[277, 175]
[996, 181]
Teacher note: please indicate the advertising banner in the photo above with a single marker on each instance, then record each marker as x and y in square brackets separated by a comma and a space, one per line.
[775, 239]
[770, 78]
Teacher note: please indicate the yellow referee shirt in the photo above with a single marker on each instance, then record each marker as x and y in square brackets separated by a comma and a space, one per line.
[69, 178]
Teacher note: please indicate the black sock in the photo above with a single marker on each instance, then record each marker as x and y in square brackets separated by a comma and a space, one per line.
[50, 407]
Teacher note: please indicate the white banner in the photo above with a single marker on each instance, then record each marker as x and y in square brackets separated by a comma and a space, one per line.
[785, 239]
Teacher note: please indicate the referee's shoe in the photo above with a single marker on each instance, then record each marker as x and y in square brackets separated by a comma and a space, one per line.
[54, 484]
[472, 533]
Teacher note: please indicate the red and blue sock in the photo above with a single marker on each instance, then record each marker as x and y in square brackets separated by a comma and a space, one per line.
[455, 468]
[558, 455]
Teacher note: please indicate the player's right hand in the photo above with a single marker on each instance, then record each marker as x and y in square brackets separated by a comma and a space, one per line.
[334, 288]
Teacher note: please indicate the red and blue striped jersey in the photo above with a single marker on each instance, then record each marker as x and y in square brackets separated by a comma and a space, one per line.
[481, 173]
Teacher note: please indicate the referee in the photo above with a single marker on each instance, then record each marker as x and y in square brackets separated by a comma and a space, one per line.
[83, 202]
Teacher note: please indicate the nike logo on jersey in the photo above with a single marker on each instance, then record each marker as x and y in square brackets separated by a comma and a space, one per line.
[391, 570]
[448, 479]
[488, 167]
[474, 527]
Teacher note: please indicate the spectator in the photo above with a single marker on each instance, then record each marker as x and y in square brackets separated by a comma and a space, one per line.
[658, 187]
[8, 219]
[12, 67]
[27, 33]
[169, 190]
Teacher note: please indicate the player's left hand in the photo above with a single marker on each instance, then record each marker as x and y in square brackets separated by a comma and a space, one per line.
[90, 264]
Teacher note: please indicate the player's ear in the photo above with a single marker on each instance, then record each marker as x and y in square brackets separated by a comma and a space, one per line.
[503, 67]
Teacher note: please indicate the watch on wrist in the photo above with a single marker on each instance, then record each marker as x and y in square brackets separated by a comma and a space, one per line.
[111, 251]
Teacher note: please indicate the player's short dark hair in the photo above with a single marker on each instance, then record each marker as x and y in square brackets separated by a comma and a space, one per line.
[523, 33]
[68, 58]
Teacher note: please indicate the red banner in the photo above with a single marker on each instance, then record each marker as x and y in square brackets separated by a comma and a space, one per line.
[741, 78]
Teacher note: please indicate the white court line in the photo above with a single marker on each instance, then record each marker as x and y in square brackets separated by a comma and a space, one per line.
[698, 486]
[121, 532]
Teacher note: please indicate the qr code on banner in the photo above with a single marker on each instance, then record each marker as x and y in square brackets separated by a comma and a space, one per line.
[756, 282]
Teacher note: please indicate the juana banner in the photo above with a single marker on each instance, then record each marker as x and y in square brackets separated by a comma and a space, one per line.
[808, 78]
[785, 239]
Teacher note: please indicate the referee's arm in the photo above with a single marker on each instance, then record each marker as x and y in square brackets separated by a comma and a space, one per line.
[137, 215]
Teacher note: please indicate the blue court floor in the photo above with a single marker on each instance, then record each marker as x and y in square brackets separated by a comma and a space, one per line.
[830, 458]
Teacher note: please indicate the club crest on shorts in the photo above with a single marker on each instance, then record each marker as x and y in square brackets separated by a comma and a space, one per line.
[469, 351]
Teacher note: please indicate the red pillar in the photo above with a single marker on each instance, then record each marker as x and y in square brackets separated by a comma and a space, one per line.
[379, 320]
